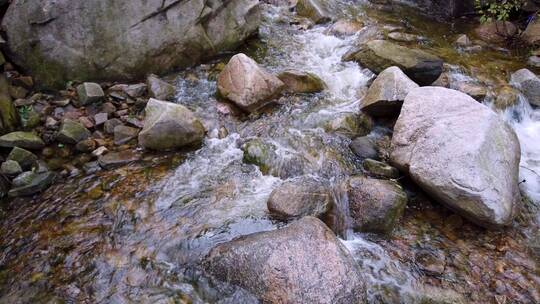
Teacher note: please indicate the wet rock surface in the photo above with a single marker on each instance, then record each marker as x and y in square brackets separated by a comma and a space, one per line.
[420, 66]
[136, 41]
[303, 262]
[375, 205]
[247, 85]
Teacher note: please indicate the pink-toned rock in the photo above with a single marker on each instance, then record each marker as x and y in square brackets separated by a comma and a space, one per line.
[248, 85]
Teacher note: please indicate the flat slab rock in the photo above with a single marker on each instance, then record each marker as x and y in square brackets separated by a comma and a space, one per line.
[301, 263]
[460, 152]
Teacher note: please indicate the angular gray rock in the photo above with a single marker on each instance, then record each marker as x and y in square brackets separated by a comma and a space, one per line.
[304, 196]
[528, 83]
[385, 96]
[460, 152]
[89, 93]
[34, 183]
[169, 126]
[123, 134]
[248, 85]
[72, 132]
[10, 168]
[301, 263]
[122, 39]
[116, 159]
[24, 158]
[160, 89]
[378, 55]
[375, 205]
[26, 140]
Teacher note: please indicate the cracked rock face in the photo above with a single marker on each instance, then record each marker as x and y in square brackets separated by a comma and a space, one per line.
[122, 39]
[460, 152]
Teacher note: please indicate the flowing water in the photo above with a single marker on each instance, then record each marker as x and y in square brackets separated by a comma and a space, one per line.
[136, 234]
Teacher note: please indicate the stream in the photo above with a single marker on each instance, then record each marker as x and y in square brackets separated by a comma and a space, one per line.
[136, 234]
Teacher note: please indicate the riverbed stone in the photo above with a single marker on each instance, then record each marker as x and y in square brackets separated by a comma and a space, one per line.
[32, 184]
[378, 55]
[461, 153]
[116, 159]
[26, 140]
[301, 263]
[86, 145]
[263, 154]
[349, 124]
[169, 126]
[123, 134]
[532, 32]
[10, 168]
[160, 89]
[24, 158]
[345, 27]
[299, 197]
[72, 132]
[301, 82]
[507, 97]
[89, 92]
[122, 39]
[364, 147]
[473, 89]
[496, 31]
[380, 169]
[111, 124]
[248, 85]
[528, 83]
[385, 96]
[136, 90]
[9, 118]
[375, 205]
[315, 10]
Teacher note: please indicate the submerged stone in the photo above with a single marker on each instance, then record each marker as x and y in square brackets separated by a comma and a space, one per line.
[304, 196]
[116, 159]
[315, 10]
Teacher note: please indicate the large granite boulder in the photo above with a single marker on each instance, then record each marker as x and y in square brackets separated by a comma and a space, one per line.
[301, 263]
[378, 55]
[247, 84]
[122, 39]
[385, 96]
[460, 152]
[169, 126]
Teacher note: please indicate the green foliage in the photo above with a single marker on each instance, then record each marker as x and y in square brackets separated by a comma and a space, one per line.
[24, 112]
[500, 10]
